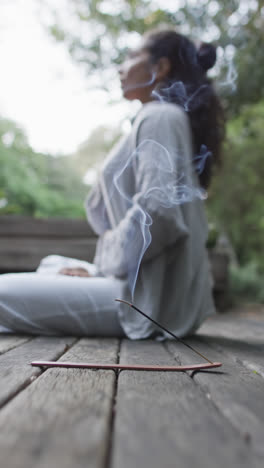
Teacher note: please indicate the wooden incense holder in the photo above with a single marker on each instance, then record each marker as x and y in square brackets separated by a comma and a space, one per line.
[87, 365]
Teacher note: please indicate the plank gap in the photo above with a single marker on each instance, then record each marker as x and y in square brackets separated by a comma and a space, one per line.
[109, 449]
[14, 345]
[245, 419]
[208, 394]
[172, 354]
[246, 362]
[250, 366]
[166, 419]
[31, 379]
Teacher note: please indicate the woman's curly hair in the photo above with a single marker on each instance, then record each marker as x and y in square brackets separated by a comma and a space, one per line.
[188, 86]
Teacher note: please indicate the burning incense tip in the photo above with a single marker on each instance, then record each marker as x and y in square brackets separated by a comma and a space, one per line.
[125, 302]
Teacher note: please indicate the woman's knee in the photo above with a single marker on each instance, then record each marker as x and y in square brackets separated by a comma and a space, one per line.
[6, 286]
[13, 286]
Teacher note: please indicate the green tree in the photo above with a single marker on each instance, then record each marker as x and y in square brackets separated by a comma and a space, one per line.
[33, 183]
[236, 198]
[100, 32]
[92, 151]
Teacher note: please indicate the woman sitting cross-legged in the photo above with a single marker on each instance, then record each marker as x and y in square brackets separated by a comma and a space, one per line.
[147, 208]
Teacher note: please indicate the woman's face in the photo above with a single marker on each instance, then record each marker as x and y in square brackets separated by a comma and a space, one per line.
[137, 76]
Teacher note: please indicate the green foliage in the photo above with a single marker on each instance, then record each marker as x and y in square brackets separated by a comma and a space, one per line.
[33, 183]
[213, 235]
[236, 26]
[246, 283]
[236, 199]
[111, 22]
[92, 152]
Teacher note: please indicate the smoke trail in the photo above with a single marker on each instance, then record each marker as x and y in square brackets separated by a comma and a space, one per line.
[141, 85]
[179, 92]
[225, 64]
[170, 182]
[229, 82]
[200, 159]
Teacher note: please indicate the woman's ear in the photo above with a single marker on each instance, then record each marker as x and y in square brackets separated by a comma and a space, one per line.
[162, 68]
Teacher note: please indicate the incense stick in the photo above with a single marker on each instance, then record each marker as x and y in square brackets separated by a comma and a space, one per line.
[165, 329]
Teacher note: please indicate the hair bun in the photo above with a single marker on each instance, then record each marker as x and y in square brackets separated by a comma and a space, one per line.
[206, 55]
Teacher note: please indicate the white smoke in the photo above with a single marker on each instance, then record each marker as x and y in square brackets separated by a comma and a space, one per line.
[168, 181]
[229, 82]
[141, 85]
[178, 92]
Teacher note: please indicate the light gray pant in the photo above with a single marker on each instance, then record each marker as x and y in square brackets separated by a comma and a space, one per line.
[48, 303]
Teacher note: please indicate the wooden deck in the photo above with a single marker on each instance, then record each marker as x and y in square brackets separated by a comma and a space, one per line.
[71, 418]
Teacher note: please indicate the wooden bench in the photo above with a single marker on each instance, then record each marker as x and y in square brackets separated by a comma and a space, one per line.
[67, 418]
[24, 241]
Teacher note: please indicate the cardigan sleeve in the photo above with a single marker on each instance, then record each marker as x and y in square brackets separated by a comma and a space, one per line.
[96, 211]
[155, 218]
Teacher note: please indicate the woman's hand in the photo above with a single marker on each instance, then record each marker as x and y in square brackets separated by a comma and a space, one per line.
[78, 271]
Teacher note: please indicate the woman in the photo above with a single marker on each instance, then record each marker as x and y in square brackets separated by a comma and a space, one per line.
[146, 208]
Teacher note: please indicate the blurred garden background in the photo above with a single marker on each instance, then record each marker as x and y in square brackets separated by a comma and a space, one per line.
[61, 109]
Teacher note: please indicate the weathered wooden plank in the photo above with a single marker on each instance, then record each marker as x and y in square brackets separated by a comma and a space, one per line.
[63, 418]
[20, 226]
[246, 328]
[10, 341]
[248, 353]
[241, 334]
[236, 391]
[27, 243]
[24, 254]
[235, 325]
[15, 369]
[166, 420]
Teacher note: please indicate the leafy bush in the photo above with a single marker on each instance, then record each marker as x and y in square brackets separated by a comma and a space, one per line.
[246, 283]
[36, 184]
[236, 198]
